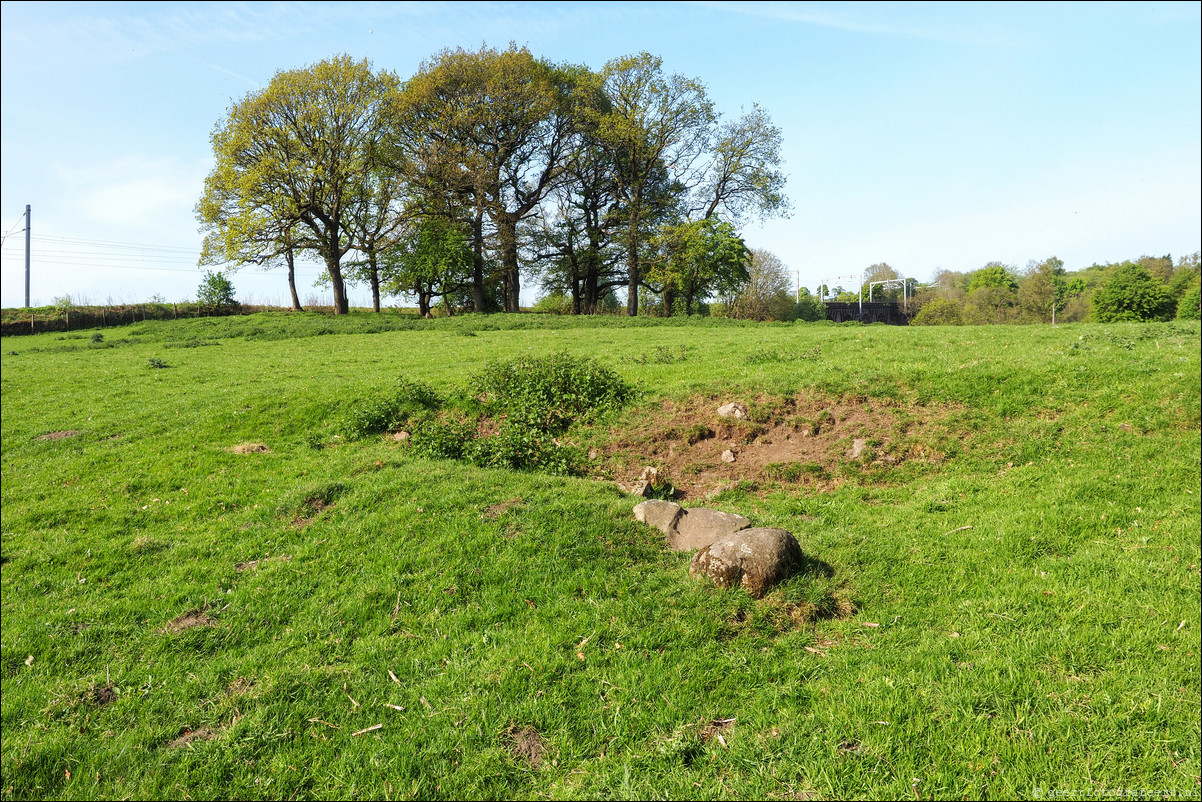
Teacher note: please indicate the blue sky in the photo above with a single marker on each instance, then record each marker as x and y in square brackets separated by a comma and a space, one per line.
[925, 135]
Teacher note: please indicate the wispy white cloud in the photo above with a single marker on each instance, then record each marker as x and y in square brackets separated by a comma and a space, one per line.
[879, 19]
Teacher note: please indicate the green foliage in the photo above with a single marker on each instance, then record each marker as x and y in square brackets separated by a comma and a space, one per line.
[554, 303]
[1190, 305]
[443, 438]
[550, 393]
[154, 363]
[97, 338]
[389, 411]
[216, 290]
[1132, 294]
[938, 312]
[993, 275]
[809, 308]
[521, 447]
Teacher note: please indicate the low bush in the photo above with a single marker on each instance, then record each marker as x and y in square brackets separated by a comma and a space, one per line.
[550, 393]
[390, 410]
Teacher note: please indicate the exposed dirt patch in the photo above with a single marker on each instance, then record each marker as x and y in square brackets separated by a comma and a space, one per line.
[188, 736]
[250, 448]
[101, 695]
[499, 509]
[253, 565]
[716, 729]
[57, 435]
[806, 440]
[525, 744]
[310, 509]
[192, 618]
[239, 686]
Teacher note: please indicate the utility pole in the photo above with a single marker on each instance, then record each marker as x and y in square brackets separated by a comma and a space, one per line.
[27, 256]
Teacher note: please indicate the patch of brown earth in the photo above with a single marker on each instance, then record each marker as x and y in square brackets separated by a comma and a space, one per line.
[101, 695]
[203, 734]
[807, 440]
[715, 728]
[313, 507]
[250, 448]
[57, 435]
[499, 509]
[252, 565]
[192, 618]
[526, 745]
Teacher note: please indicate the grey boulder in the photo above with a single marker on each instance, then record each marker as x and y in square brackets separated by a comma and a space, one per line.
[755, 559]
[689, 529]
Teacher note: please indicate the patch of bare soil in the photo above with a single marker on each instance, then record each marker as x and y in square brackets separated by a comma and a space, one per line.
[101, 695]
[192, 618]
[499, 509]
[188, 736]
[57, 435]
[525, 744]
[250, 448]
[253, 565]
[715, 729]
[806, 440]
[310, 509]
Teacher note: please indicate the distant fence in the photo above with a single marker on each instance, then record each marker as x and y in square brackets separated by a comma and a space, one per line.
[49, 319]
[873, 312]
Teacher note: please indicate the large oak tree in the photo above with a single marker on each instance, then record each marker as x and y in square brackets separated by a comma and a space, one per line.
[299, 156]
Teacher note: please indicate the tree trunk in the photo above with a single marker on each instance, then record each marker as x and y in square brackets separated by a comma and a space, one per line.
[478, 260]
[667, 296]
[374, 271]
[341, 305]
[507, 232]
[296, 304]
[632, 259]
[632, 267]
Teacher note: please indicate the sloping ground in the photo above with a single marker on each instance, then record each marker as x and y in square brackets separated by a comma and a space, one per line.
[804, 440]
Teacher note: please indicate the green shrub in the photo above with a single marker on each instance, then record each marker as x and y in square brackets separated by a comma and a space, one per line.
[388, 411]
[215, 290]
[154, 363]
[1131, 293]
[1189, 307]
[938, 312]
[446, 438]
[550, 393]
[523, 448]
[97, 338]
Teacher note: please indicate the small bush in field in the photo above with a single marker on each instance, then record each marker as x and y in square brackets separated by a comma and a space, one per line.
[447, 438]
[523, 448]
[389, 410]
[550, 393]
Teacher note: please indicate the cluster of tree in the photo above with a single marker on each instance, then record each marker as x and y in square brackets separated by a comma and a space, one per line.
[489, 167]
[1148, 288]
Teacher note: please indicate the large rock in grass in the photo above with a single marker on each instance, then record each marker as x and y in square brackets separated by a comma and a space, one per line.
[754, 559]
[689, 529]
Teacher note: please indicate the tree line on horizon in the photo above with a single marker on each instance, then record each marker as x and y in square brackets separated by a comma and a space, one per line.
[488, 167]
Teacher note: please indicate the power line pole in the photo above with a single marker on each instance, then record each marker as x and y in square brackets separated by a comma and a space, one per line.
[27, 256]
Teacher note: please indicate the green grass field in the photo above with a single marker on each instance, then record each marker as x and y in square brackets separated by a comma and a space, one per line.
[1012, 605]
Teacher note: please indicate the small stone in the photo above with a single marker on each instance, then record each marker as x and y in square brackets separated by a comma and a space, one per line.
[728, 456]
[732, 410]
[401, 437]
[857, 448]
